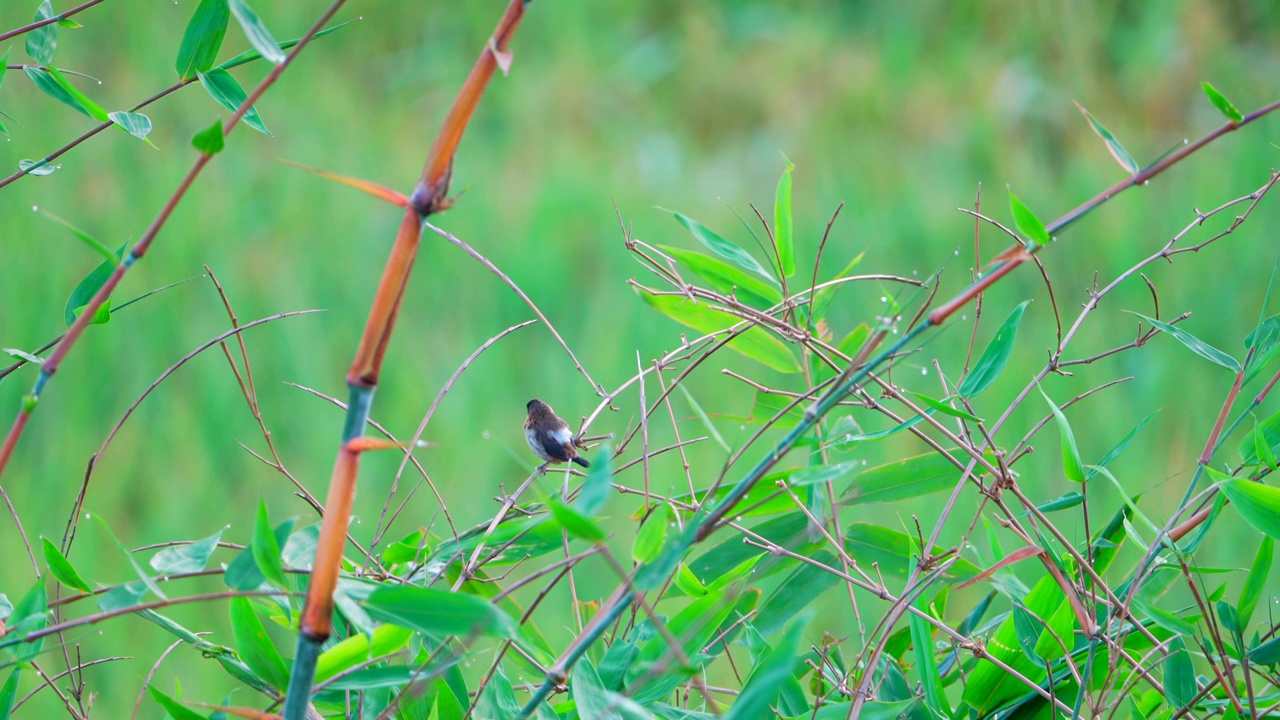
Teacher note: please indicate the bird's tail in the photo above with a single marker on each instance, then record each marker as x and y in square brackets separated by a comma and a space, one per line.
[581, 462]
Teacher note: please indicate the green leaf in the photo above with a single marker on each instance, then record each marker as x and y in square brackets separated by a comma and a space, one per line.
[43, 41]
[242, 572]
[187, 558]
[37, 168]
[203, 38]
[1027, 222]
[4, 65]
[722, 247]
[689, 583]
[9, 693]
[142, 574]
[1114, 147]
[598, 486]
[1071, 465]
[254, 647]
[358, 648]
[136, 124]
[995, 357]
[1070, 500]
[575, 523]
[53, 83]
[783, 226]
[1256, 581]
[767, 677]
[726, 278]
[1258, 504]
[1222, 103]
[594, 702]
[61, 568]
[249, 56]
[1269, 429]
[1268, 653]
[226, 91]
[1179, 675]
[93, 243]
[927, 664]
[1193, 343]
[823, 296]
[1166, 619]
[209, 141]
[891, 549]
[259, 37]
[767, 407]
[1120, 446]
[943, 407]
[176, 710]
[755, 342]
[497, 699]
[854, 341]
[266, 549]
[22, 355]
[904, 479]
[440, 612]
[31, 614]
[815, 474]
[652, 534]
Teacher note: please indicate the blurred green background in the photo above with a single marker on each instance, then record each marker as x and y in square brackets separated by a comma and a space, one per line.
[900, 110]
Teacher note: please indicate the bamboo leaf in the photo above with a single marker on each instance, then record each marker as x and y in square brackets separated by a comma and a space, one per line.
[53, 83]
[1193, 343]
[1256, 581]
[943, 407]
[1071, 465]
[254, 647]
[61, 568]
[210, 141]
[439, 612]
[995, 357]
[783, 225]
[43, 41]
[254, 29]
[1258, 504]
[722, 247]
[1114, 147]
[758, 293]
[226, 91]
[1221, 102]
[136, 124]
[1027, 222]
[755, 342]
[1179, 675]
[203, 38]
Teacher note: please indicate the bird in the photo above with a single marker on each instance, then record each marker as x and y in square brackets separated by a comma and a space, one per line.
[549, 437]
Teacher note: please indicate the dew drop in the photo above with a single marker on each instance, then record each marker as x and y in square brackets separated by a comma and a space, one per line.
[35, 208]
[924, 371]
[964, 317]
[486, 435]
[884, 299]
[957, 252]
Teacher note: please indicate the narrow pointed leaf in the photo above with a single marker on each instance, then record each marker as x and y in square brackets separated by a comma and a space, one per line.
[1258, 504]
[1071, 465]
[1114, 147]
[37, 168]
[226, 91]
[61, 568]
[722, 247]
[54, 84]
[249, 56]
[575, 523]
[1027, 222]
[266, 549]
[254, 29]
[1179, 675]
[765, 682]
[904, 479]
[438, 612]
[754, 291]
[946, 409]
[1221, 102]
[783, 225]
[203, 38]
[187, 558]
[176, 710]
[93, 243]
[254, 647]
[995, 357]
[1194, 344]
[43, 41]
[1255, 582]
[755, 342]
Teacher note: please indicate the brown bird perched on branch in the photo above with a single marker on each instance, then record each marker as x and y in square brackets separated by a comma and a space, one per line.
[549, 436]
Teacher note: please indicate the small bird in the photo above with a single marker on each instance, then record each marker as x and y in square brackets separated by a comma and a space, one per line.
[549, 436]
